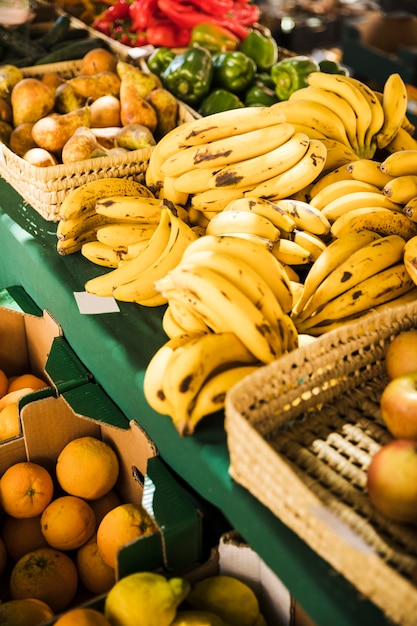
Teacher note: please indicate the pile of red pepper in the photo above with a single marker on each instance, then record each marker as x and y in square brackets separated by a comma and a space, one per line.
[169, 22]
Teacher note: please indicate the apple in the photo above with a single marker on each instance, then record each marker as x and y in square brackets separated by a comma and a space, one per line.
[401, 354]
[398, 404]
[392, 480]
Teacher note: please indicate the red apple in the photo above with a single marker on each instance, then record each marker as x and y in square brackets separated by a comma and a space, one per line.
[392, 480]
[398, 405]
[401, 354]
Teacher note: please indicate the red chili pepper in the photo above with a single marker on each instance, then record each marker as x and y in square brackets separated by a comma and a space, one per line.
[141, 12]
[118, 11]
[213, 7]
[244, 12]
[103, 26]
[165, 33]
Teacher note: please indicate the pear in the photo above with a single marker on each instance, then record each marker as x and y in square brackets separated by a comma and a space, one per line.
[134, 108]
[166, 107]
[10, 75]
[134, 137]
[100, 84]
[105, 112]
[6, 114]
[40, 157]
[21, 139]
[31, 100]
[67, 99]
[53, 131]
[146, 81]
[81, 146]
[5, 132]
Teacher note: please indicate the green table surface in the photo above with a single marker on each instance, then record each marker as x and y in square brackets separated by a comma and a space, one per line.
[116, 348]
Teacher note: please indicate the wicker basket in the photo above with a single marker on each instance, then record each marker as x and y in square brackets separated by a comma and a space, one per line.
[301, 433]
[45, 188]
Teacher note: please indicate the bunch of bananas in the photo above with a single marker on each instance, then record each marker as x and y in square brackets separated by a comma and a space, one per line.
[252, 151]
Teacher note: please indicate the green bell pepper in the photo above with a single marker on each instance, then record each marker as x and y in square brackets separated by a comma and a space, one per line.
[263, 79]
[213, 37]
[159, 60]
[219, 100]
[258, 95]
[262, 48]
[291, 74]
[189, 75]
[332, 67]
[233, 71]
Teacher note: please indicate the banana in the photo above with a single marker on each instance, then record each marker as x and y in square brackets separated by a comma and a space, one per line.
[336, 253]
[327, 178]
[194, 181]
[73, 244]
[251, 172]
[154, 178]
[185, 316]
[316, 114]
[124, 234]
[142, 288]
[269, 210]
[211, 397]
[394, 104]
[105, 284]
[361, 264]
[214, 200]
[377, 118]
[368, 171]
[400, 163]
[381, 220]
[82, 200]
[291, 253]
[102, 254]
[130, 208]
[356, 200]
[402, 140]
[346, 89]
[337, 154]
[401, 189]
[192, 364]
[313, 133]
[336, 103]
[305, 216]
[74, 227]
[257, 254]
[218, 126]
[170, 193]
[228, 150]
[338, 189]
[410, 258]
[410, 209]
[170, 325]
[297, 177]
[154, 373]
[236, 221]
[224, 307]
[289, 334]
[373, 291]
[312, 243]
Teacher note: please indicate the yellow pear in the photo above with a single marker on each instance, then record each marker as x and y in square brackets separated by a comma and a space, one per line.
[31, 100]
[100, 84]
[53, 131]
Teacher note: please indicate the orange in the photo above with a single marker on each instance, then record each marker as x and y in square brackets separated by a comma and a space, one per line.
[103, 505]
[45, 574]
[94, 573]
[122, 525]
[27, 380]
[4, 383]
[14, 396]
[10, 421]
[68, 522]
[26, 612]
[98, 60]
[87, 467]
[3, 557]
[22, 535]
[82, 616]
[26, 489]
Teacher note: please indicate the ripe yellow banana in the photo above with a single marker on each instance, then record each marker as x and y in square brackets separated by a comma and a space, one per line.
[346, 89]
[185, 316]
[291, 253]
[313, 133]
[154, 373]
[218, 126]
[394, 104]
[102, 254]
[269, 210]
[214, 200]
[373, 291]
[74, 227]
[153, 175]
[228, 150]
[400, 163]
[130, 208]
[401, 188]
[338, 189]
[170, 193]
[257, 254]
[336, 103]
[297, 177]
[381, 220]
[170, 325]
[224, 307]
[410, 258]
[310, 242]
[317, 115]
[402, 140]
[124, 234]
[337, 154]
[410, 209]
[356, 200]
[82, 200]
[336, 253]
[305, 216]
[368, 171]
[73, 244]
[254, 171]
[377, 117]
[192, 364]
[327, 178]
[363, 263]
[237, 222]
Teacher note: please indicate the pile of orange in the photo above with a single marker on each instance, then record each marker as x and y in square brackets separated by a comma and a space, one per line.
[63, 530]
